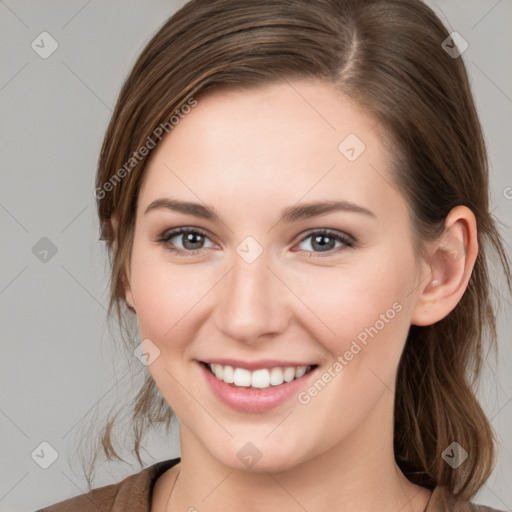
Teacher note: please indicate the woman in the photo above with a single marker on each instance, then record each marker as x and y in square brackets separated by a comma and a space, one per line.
[295, 199]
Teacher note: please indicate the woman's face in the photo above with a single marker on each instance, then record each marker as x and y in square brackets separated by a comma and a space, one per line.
[255, 289]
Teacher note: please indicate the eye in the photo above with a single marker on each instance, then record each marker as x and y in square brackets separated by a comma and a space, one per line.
[192, 240]
[324, 241]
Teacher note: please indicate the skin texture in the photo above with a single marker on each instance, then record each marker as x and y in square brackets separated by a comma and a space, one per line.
[250, 154]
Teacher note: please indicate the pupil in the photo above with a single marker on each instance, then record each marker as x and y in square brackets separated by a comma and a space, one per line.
[196, 238]
[324, 246]
[189, 238]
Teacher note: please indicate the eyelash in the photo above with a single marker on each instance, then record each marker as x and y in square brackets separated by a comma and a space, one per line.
[347, 241]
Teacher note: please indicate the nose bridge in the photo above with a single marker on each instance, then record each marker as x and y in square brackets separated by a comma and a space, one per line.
[249, 304]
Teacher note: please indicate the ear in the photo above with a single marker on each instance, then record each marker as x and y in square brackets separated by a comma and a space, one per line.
[451, 261]
[128, 296]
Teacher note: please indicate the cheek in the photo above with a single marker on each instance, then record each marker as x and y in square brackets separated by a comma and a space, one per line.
[368, 310]
[365, 301]
[166, 295]
[362, 300]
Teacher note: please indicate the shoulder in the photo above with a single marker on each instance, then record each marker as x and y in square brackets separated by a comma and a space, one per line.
[442, 500]
[133, 493]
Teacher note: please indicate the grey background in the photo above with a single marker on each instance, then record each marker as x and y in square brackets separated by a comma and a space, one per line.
[56, 360]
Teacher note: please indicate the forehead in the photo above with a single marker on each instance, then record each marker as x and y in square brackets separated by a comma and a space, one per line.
[273, 145]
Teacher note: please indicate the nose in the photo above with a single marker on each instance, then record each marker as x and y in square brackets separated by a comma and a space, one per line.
[252, 302]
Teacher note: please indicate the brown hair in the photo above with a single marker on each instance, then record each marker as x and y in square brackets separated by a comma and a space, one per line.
[387, 56]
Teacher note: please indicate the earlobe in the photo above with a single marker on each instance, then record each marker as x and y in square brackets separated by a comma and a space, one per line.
[128, 296]
[452, 258]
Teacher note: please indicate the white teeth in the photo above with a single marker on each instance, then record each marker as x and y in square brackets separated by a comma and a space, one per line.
[229, 374]
[276, 376]
[301, 370]
[242, 377]
[218, 370]
[262, 378]
[289, 374]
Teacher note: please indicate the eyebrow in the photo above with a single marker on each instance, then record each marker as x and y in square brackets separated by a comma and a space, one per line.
[290, 214]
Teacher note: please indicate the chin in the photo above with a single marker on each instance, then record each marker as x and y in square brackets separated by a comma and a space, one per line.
[256, 458]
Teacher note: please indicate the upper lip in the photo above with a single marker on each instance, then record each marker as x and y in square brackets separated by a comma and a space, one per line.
[255, 365]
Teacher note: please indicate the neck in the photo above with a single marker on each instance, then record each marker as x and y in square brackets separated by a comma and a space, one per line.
[358, 474]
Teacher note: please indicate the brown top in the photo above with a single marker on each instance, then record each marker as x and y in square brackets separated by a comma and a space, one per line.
[133, 494]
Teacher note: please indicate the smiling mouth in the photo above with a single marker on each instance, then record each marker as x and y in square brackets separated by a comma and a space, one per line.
[257, 379]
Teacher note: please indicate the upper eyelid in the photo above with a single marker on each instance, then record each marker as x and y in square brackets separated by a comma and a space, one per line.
[327, 231]
[171, 233]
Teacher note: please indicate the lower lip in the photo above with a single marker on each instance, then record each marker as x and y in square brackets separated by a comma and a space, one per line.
[250, 399]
